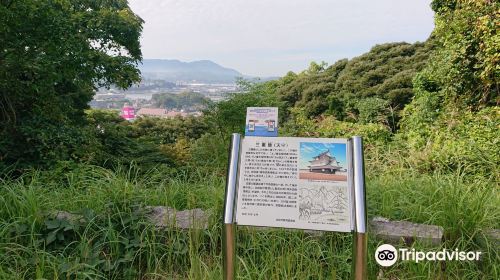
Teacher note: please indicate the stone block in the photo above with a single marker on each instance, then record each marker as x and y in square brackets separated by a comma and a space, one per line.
[163, 216]
[395, 232]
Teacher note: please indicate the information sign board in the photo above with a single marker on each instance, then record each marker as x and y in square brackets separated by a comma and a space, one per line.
[302, 183]
[262, 121]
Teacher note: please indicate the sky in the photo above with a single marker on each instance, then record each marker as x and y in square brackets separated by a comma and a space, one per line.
[271, 37]
[308, 150]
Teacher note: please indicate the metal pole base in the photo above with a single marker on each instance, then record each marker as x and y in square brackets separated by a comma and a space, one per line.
[229, 251]
[360, 247]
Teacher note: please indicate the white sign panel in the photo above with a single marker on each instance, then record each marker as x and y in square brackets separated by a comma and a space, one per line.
[262, 121]
[295, 183]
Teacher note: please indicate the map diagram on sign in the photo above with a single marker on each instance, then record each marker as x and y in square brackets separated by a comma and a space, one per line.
[322, 204]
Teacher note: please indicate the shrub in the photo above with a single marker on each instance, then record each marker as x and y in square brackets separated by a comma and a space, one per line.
[460, 139]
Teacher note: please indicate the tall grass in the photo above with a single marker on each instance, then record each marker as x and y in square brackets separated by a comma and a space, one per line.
[464, 208]
[112, 239]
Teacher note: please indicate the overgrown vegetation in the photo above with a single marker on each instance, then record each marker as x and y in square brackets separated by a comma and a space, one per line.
[111, 239]
[54, 54]
[428, 113]
[371, 88]
[180, 101]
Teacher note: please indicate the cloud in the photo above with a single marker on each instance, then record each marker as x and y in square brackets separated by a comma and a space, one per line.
[308, 148]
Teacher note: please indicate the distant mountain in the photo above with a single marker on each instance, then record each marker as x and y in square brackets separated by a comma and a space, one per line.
[203, 71]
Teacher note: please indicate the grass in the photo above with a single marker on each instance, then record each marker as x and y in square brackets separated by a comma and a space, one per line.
[114, 241]
[463, 207]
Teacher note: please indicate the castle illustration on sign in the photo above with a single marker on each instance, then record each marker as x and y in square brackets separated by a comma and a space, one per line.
[324, 163]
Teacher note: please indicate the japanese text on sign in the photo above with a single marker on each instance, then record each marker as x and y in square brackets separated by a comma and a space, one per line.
[294, 183]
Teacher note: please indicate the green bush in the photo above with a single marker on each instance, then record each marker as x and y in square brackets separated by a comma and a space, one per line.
[462, 140]
[329, 126]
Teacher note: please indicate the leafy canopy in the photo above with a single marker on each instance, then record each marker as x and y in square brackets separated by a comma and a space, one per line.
[183, 100]
[53, 55]
[371, 88]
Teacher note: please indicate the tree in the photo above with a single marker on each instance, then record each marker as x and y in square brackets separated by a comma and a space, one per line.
[53, 56]
[184, 100]
[463, 74]
[228, 116]
[469, 51]
[452, 121]
[385, 74]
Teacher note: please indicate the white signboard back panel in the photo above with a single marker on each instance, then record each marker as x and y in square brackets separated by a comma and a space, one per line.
[299, 183]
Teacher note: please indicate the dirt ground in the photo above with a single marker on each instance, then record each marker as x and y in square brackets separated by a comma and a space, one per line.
[321, 176]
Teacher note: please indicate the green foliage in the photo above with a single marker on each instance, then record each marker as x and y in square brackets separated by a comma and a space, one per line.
[347, 89]
[211, 152]
[459, 140]
[146, 142]
[168, 130]
[372, 110]
[61, 230]
[385, 68]
[120, 143]
[452, 122]
[183, 100]
[228, 116]
[373, 134]
[54, 54]
[108, 236]
[311, 88]
[384, 73]
[464, 207]
[467, 32]
[179, 151]
[40, 143]
[422, 112]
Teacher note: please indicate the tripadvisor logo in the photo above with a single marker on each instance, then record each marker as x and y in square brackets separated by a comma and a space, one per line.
[387, 255]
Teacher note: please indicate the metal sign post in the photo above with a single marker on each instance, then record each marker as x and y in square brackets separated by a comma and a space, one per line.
[229, 231]
[302, 183]
[360, 232]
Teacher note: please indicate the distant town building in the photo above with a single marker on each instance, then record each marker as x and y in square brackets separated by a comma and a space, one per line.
[160, 113]
[128, 112]
[109, 96]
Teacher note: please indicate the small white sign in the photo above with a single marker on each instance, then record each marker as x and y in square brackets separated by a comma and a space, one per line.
[262, 121]
[295, 183]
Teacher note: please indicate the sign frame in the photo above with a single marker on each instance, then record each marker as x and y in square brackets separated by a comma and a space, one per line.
[358, 213]
[310, 188]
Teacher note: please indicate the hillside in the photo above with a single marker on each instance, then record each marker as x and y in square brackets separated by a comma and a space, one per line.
[204, 71]
[373, 87]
